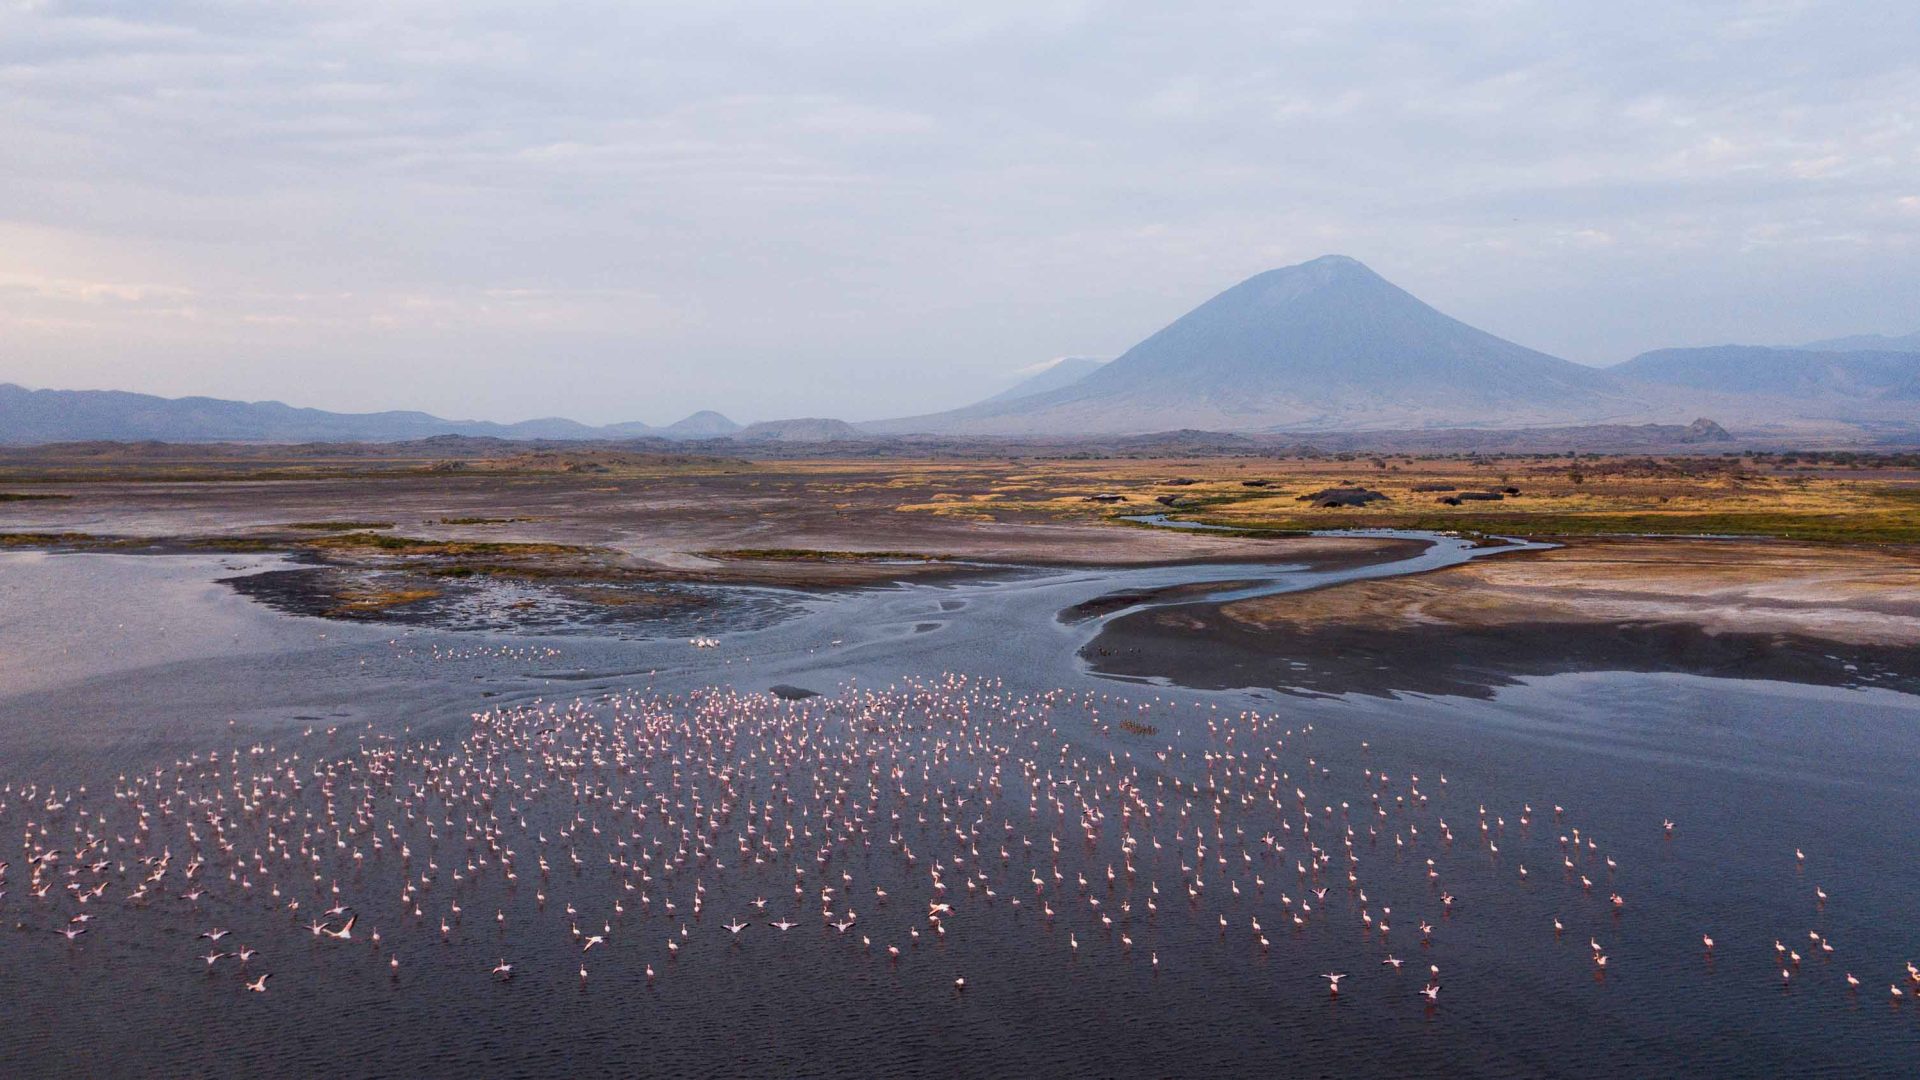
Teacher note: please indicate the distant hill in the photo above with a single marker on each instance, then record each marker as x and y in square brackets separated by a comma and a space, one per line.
[810, 429]
[44, 416]
[628, 429]
[705, 424]
[1908, 343]
[1591, 438]
[1860, 384]
[1325, 345]
[1062, 372]
[31, 416]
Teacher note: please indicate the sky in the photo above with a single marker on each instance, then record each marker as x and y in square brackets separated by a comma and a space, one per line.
[629, 211]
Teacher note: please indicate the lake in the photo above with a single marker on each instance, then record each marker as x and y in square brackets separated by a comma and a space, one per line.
[957, 731]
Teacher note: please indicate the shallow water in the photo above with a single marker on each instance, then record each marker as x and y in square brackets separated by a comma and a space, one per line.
[115, 664]
[1165, 522]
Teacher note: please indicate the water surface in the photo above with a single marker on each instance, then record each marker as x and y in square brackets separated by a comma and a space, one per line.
[123, 665]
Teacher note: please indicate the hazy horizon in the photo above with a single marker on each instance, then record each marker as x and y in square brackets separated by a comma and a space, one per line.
[617, 214]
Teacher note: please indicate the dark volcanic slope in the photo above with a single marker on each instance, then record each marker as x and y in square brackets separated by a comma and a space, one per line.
[1324, 345]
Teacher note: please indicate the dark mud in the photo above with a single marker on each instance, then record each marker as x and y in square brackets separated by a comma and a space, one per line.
[484, 602]
[1113, 602]
[1194, 646]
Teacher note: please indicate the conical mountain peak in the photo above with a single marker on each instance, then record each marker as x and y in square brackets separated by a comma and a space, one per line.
[1326, 343]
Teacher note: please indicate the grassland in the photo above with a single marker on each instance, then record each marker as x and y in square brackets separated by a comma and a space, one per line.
[46, 539]
[837, 521]
[389, 537]
[1705, 496]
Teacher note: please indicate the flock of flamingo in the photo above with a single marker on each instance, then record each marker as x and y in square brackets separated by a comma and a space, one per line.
[876, 822]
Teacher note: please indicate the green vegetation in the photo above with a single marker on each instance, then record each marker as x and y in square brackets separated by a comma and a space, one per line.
[1235, 529]
[1848, 458]
[46, 539]
[1228, 498]
[1855, 527]
[408, 545]
[234, 544]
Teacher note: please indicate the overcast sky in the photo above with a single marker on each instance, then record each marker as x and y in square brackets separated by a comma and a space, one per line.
[620, 211]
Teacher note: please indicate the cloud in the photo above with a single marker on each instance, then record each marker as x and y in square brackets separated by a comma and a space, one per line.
[866, 208]
[67, 290]
[1031, 370]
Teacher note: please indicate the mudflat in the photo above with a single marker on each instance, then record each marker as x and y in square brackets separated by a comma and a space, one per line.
[804, 524]
[1838, 615]
[401, 533]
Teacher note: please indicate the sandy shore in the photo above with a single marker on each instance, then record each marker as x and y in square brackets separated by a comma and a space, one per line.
[1749, 609]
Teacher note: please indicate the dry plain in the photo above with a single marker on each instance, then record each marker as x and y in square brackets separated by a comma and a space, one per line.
[1799, 550]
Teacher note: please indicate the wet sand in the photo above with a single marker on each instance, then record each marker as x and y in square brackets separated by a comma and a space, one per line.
[787, 530]
[1734, 609]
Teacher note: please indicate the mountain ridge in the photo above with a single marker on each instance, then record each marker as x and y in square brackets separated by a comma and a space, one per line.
[1325, 344]
[1868, 343]
[42, 416]
[1867, 384]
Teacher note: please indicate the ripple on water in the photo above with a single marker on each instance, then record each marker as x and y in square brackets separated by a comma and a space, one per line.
[1749, 771]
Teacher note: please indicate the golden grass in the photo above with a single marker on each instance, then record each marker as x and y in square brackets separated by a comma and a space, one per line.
[367, 601]
[1687, 496]
[1870, 500]
[41, 539]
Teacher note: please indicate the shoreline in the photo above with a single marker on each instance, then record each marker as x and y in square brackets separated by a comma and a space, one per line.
[1744, 610]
